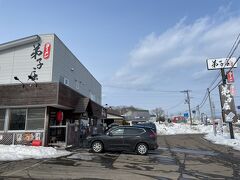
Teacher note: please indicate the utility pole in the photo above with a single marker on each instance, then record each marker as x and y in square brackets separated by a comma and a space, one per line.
[212, 114]
[198, 113]
[230, 123]
[189, 104]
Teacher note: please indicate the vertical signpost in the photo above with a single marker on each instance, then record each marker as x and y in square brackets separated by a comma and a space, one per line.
[188, 102]
[229, 114]
[212, 114]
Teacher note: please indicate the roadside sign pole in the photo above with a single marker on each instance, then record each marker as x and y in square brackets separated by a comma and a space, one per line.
[189, 107]
[223, 116]
[212, 114]
[188, 102]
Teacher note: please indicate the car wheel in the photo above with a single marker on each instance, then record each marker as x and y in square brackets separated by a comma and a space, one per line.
[142, 148]
[97, 146]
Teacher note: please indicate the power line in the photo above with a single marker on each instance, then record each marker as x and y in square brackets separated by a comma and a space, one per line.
[216, 85]
[226, 73]
[144, 90]
[215, 79]
[233, 49]
[231, 52]
[204, 100]
[174, 106]
[233, 65]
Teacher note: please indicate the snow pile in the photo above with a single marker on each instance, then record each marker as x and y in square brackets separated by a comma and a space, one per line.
[19, 152]
[225, 140]
[181, 128]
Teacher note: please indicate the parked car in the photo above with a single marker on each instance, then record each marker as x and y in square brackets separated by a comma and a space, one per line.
[125, 138]
[112, 125]
[147, 124]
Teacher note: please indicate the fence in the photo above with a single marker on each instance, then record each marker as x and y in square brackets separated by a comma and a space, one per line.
[20, 138]
[73, 135]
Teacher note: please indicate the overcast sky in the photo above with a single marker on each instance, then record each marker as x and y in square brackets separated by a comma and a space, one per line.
[143, 52]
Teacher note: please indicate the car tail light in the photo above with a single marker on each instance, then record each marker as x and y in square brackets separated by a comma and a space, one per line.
[152, 135]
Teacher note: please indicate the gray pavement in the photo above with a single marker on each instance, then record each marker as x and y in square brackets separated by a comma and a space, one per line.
[178, 157]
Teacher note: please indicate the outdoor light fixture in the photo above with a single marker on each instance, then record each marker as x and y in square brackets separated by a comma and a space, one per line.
[33, 79]
[17, 79]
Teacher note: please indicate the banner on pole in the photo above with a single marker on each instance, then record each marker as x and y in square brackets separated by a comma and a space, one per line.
[227, 104]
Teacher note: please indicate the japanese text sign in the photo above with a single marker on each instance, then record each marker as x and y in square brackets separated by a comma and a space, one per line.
[46, 52]
[221, 63]
[37, 55]
[227, 103]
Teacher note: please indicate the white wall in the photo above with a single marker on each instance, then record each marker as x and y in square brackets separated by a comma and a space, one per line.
[66, 65]
[61, 64]
[18, 62]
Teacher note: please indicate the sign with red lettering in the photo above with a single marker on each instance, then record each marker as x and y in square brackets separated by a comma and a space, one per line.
[46, 52]
[230, 77]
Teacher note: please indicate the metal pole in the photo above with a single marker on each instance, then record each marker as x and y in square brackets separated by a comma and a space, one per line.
[189, 106]
[198, 110]
[212, 114]
[230, 123]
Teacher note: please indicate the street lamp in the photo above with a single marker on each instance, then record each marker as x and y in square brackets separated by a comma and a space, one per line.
[17, 79]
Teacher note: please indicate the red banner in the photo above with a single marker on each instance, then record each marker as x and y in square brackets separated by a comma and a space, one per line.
[46, 52]
[230, 77]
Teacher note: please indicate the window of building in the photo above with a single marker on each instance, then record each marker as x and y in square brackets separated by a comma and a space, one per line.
[17, 119]
[26, 119]
[35, 118]
[66, 81]
[2, 118]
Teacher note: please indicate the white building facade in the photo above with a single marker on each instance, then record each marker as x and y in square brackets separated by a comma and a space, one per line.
[45, 91]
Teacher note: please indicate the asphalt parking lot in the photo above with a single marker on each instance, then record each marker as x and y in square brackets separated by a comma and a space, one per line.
[178, 157]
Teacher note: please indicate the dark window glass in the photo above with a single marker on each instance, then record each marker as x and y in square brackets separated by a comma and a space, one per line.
[117, 132]
[17, 119]
[2, 118]
[35, 118]
[132, 131]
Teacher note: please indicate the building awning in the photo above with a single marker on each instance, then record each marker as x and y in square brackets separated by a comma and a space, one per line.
[114, 116]
[97, 110]
[82, 105]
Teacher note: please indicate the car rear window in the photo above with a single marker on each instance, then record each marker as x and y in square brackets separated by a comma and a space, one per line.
[133, 131]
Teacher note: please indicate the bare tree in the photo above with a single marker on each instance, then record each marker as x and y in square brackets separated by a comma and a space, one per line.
[159, 112]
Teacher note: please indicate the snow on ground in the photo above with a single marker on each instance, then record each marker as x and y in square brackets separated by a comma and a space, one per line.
[220, 138]
[19, 152]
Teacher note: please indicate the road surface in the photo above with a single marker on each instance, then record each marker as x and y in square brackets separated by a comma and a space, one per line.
[178, 157]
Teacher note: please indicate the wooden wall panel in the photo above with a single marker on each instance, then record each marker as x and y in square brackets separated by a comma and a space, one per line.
[68, 97]
[15, 95]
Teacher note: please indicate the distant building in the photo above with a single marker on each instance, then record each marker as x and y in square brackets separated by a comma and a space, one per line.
[45, 92]
[178, 119]
[137, 116]
[153, 118]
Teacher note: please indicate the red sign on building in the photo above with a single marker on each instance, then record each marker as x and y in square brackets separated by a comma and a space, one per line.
[47, 49]
[230, 77]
